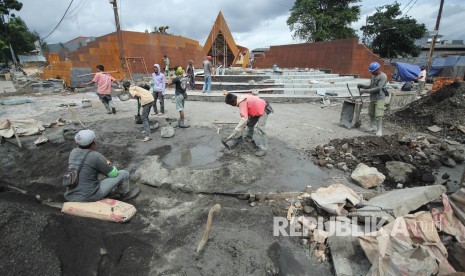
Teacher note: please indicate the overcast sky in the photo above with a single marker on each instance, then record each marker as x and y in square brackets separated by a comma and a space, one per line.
[253, 23]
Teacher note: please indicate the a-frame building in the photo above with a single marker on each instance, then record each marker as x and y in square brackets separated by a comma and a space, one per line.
[221, 46]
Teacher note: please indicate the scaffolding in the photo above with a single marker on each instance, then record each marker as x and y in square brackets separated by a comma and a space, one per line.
[220, 51]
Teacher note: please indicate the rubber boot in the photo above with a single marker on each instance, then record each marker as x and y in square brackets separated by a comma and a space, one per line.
[379, 131]
[107, 106]
[249, 135]
[373, 126]
[112, 108]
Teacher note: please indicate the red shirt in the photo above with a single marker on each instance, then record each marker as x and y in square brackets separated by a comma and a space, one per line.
[250, 105]
[103, 83]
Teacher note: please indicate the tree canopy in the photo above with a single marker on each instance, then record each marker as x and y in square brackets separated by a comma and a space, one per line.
[390, 35]
[14, 32]
[323, 20]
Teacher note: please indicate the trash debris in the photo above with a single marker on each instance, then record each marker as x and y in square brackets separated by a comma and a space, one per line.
[397, 203]
[41, 140]
[446, 221]
[333, 198]
[434, 128]
[17, 101]
[26, 127]
[105, 209]
[410, 245]
[57, 123]
[167, 131]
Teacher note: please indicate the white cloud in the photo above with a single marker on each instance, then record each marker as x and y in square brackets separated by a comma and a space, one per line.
[257, 23]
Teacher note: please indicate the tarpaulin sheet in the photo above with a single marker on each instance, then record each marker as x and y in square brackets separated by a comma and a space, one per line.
[407, 72]
[24, 127]
[410, 245]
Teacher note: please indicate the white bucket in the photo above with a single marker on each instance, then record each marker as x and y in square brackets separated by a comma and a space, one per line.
[86, 103]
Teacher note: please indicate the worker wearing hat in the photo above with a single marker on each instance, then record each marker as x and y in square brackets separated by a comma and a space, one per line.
[89, 187]
[377, 97]
[207, 75]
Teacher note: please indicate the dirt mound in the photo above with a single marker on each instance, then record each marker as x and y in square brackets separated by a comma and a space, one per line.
[445, 108]
[424, 153]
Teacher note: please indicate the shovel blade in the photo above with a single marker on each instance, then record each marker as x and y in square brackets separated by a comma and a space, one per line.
[225, 144]
[350, 114]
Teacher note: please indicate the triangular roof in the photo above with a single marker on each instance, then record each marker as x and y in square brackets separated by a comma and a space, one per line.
[220, 26]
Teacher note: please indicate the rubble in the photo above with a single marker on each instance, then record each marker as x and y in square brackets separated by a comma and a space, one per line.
[347, 254]
[400, 202]
[399, 171]
[367, 177]
[334, 198]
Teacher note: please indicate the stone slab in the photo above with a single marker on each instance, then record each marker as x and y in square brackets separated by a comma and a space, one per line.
[403, 201]
[347, 254]
[401, 99]
[7, 87]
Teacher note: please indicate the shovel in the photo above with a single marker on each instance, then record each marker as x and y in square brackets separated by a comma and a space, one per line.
[225, 144]
[350, 113]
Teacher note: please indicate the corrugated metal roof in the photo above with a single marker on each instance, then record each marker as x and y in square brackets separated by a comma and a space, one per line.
[23, 59]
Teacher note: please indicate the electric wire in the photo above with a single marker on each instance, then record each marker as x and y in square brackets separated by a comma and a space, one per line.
[406, 6]
[410, 7]
[63, 17]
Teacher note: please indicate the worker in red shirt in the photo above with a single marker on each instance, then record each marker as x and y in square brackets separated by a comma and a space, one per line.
[254, 113]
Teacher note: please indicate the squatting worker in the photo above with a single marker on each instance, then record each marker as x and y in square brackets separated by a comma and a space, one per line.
[377, 97]
[254, 113]
[89, 187]
[146, 101]
[103, 81]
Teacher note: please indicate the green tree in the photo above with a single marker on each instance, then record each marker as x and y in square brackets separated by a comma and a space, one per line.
[323, 20]
[6, 6]
[14, 32]
[391, 35]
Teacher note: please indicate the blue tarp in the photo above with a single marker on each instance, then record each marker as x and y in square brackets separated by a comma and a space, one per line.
[407, 72]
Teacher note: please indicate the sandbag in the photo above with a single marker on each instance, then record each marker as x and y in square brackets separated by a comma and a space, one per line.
[167, 132]
[105, 209]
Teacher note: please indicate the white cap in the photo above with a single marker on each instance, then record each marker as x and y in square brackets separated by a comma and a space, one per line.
[84, 137]
[255, 92]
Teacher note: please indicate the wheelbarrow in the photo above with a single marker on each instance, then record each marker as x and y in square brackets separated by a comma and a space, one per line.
[350, 113]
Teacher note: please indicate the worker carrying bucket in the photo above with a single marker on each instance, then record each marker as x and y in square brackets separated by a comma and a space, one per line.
[377, 90]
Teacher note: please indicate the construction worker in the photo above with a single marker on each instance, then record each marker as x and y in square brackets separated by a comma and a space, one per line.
[254, 113]
[104, 81]
[92, 163]
[146, 99]
[377, 97]
[421, 79]
[180, 94]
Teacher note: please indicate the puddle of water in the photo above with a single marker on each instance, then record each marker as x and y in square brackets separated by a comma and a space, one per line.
[197, 156]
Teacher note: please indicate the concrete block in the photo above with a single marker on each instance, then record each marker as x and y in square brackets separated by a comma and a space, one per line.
[347, 254]
[7, 87]
[401, 202]
[401, 99]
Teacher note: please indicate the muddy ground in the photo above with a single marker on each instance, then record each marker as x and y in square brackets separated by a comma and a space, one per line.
[180, 178]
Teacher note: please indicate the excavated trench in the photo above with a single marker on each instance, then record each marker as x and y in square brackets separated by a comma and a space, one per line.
[162, 237]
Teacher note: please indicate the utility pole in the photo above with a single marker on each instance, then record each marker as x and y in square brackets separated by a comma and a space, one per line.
[120, 39]
[433, 42]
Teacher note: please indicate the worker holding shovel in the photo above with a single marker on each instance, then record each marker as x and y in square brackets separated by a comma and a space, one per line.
[376, 88]
[254, 113]
[146, 100]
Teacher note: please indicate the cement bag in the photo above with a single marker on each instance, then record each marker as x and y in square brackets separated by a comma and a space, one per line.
[334, 198]
[167, 132]
[105, 209]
